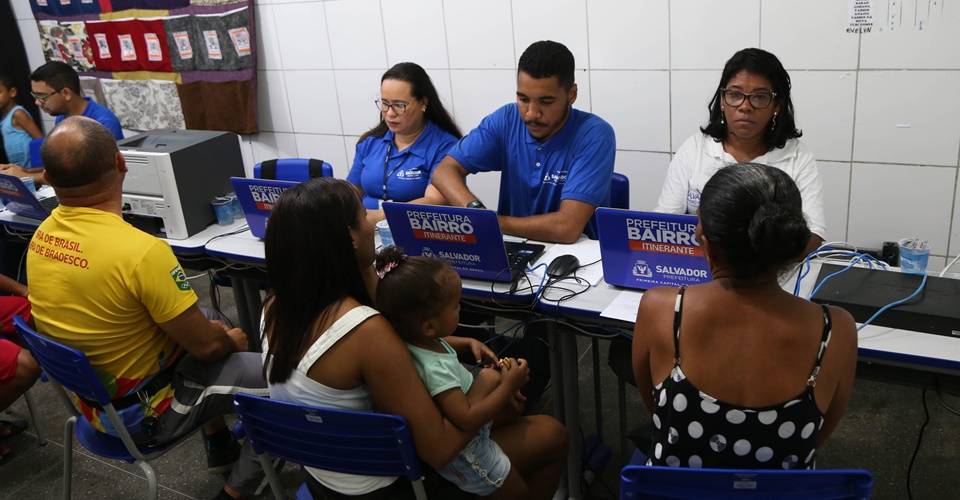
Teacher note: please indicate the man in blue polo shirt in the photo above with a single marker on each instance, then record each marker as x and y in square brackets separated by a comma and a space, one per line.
[555, 161]
[56, 88]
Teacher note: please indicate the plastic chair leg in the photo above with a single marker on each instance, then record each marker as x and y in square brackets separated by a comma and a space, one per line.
[151, 479]
[68, 427]
[33, 419]
[272, 477]
[622, 410]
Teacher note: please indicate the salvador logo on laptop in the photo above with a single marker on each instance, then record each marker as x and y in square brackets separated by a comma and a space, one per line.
[645, 249]
[436, 226]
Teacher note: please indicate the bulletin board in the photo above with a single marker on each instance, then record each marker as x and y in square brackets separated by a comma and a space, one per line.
[159, 63]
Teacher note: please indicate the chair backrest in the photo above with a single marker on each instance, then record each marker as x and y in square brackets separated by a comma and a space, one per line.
[656, 482]
[619, 191]
[352, 442]
[67, 366]
[292, 169]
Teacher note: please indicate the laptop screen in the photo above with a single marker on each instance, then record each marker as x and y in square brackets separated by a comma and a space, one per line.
[256, 197]
[20, 200]
[468, 238]
[649, 249]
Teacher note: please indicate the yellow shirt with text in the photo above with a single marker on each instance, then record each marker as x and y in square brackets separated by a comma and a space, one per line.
[102, 286]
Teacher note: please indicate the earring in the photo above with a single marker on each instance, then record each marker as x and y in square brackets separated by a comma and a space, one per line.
[424, 109]
[722, 121]
[773, 122]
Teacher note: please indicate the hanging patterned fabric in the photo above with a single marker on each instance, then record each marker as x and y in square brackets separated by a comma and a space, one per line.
[207, 3]
[182, 41]
[144, 104]
[66, 7]
[225, 41]
[119, 5]
[220, 105]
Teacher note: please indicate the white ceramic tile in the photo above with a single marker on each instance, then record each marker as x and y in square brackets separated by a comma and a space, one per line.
[268, 47]
[901, 44]
[582, 79]
[628, 35]
[273, 113]
[267, 146]
[836, 193]
[908, 117]
[477, 93]
[935, 264]
[301, 33]
[313, 102]
[350, 146]
[636, 104]
[414, 32]
[328, 148]
[823, 108]
[246, 152]
[646, 172]
[808, 35]
[890, 202]
[479, 34]
[690, 94]
[562, 21]
[955, 231]
[356, 34]
[21, 9]
[704, 34]
[358, 89]
[31, 43]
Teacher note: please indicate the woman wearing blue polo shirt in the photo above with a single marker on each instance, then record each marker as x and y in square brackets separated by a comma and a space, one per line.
[394, 160]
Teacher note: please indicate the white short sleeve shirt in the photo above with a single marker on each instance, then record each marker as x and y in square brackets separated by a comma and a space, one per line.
[700, 157]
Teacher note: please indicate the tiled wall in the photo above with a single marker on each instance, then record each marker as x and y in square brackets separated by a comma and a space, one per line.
[881, 110]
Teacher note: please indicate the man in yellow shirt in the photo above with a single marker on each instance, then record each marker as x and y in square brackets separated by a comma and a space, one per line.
[120, 296]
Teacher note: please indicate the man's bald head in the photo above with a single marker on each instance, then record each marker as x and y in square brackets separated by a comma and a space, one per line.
[78, 152]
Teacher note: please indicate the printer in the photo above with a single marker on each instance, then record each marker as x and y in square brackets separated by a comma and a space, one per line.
[173, 175]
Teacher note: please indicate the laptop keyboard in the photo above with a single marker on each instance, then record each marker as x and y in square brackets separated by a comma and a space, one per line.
[49, 203]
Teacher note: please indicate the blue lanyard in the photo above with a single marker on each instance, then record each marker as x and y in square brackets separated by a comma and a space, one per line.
[386, 174]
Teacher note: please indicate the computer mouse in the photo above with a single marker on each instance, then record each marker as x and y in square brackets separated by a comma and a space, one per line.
[562, 266]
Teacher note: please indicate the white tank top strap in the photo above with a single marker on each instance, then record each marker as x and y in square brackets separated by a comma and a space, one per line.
[334, 333]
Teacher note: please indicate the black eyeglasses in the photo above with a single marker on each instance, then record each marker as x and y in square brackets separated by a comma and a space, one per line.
[398, 106]
[43, 97]
[758, 100]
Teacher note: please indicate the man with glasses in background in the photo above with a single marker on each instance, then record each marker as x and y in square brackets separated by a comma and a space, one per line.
[56, 88]
[555, 161]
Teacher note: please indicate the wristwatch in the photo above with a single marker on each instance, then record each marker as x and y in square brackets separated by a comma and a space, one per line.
[475, 204]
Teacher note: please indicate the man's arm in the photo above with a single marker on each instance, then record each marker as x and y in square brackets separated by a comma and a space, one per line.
[563, 226]
[35, 173]
[204, 339]
[450, 179]
[8, 284]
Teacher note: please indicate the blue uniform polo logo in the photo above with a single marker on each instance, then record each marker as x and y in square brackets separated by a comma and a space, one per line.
[555, 178]
[414, 174]
[693, 200]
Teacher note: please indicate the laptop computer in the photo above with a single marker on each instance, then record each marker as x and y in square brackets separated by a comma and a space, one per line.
[256, 197]
[649, 249]
[468, 238]
[20, 200]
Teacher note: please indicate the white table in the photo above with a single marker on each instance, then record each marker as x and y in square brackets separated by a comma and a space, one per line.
[887, 347]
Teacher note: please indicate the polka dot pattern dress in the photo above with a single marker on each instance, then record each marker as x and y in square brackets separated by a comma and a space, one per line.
[694, 429]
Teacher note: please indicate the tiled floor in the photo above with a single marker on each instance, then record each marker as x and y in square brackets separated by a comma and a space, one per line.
[878, 433]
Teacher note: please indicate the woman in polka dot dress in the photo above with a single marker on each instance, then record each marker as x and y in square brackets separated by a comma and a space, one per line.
[738, 373]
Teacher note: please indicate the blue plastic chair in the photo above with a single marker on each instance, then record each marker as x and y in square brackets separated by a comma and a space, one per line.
[292, 169]
[619, 191]
[657, 482]
[352, 442]
[69, 368]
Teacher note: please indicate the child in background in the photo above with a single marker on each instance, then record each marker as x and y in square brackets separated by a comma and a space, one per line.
[420, 296]
[16, 125]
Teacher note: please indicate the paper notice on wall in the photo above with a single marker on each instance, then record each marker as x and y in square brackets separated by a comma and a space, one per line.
[899, 15]
[860, 14]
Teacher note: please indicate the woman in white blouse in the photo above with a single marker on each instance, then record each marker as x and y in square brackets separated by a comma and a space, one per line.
[751, 120]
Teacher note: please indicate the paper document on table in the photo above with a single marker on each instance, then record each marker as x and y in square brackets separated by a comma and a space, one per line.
[624, 306]
[587, 252]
